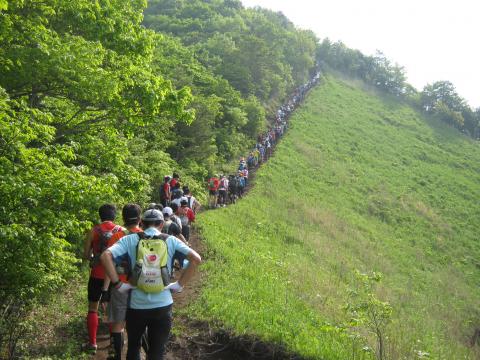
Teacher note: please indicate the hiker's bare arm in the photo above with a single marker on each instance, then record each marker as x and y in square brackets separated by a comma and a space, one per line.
[106, 282]
[194, 260]
[87, 247]
[182, 238]
[107, 261]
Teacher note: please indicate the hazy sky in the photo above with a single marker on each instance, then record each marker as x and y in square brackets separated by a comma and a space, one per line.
[432, 39]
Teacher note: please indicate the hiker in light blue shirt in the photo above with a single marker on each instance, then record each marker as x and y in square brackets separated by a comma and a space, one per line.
[149, 310]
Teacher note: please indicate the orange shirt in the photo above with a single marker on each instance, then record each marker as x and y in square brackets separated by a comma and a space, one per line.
[97, 271]
[117, 236]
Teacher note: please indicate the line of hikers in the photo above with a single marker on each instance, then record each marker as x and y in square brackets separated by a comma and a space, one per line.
[132, 275]
[225, 189]
[132, 266]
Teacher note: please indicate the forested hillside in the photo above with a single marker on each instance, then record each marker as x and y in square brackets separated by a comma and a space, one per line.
[96, 108]
[99, 100]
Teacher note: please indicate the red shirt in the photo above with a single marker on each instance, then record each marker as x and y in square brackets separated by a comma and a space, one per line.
[173, 182]
[216, 183]
[97, 271]
[166, 190]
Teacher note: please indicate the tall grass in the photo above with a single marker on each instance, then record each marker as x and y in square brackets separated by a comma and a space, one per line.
[360, 182]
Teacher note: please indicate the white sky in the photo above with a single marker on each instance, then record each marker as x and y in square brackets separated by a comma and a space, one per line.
[432, 39]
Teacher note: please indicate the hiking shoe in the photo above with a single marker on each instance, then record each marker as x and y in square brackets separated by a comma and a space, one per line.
[90, 348]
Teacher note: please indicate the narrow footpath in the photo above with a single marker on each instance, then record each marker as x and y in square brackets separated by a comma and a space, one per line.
[200, 340]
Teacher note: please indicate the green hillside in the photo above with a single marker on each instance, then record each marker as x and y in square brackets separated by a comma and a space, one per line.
[359, 183]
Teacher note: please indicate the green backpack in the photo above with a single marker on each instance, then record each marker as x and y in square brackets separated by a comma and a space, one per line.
[150, 273]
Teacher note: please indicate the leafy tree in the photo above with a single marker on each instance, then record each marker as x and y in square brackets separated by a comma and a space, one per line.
[442, 99]
[258, 51]
[77, 90]
[444, 92]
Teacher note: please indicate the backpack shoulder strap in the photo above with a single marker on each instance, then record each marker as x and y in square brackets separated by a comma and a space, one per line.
[162, 236]
[141, 236]
[94, 243]
[117, 228]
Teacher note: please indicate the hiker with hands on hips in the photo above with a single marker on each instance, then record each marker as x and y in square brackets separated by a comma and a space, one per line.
[150, 305]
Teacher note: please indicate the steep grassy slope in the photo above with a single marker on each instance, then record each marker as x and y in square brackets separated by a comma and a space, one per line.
[359, 183]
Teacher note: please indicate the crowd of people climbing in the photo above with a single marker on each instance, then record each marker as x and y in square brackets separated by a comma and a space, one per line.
[226, 189]
[132, 266]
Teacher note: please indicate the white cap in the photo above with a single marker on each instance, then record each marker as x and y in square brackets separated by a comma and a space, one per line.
[167, 211]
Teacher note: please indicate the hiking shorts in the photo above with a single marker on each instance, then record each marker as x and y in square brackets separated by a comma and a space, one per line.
[222, 195]
[117, 306]
[213, 192]
[94, 289]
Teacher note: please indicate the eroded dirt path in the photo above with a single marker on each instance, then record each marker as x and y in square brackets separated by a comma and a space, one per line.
[199, 340]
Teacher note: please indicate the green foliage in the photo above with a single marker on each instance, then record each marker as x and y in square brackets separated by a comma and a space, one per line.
[237, 62]
[364, 309]
[78, 99]
[442, 100]
[219, 108]
[374, 70]
[258, 51]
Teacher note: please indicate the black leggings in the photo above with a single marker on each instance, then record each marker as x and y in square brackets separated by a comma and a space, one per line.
[158, 321]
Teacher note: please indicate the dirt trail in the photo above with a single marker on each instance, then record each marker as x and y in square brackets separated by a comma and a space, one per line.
[199, 340]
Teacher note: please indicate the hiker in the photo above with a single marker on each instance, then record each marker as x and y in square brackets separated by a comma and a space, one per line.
[155, 206]
[95, 243]
[213, 185]
[232, 188]
[256, 156]
[222, 191]
[175, 180]
[245, 176]
[187, 217]
[117, 306]
[177, 200]
[169, 218]
[173, 228]
[192, 202]
[251, 161]
[150, 305]
[241, 184]
[261, 149]
[268, 147]
[177, 220]
[165, 194]
[242, 164]
[178, 259]
[177, 192]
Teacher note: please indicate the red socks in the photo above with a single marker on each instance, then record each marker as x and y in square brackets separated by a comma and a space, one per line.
[92, 326]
